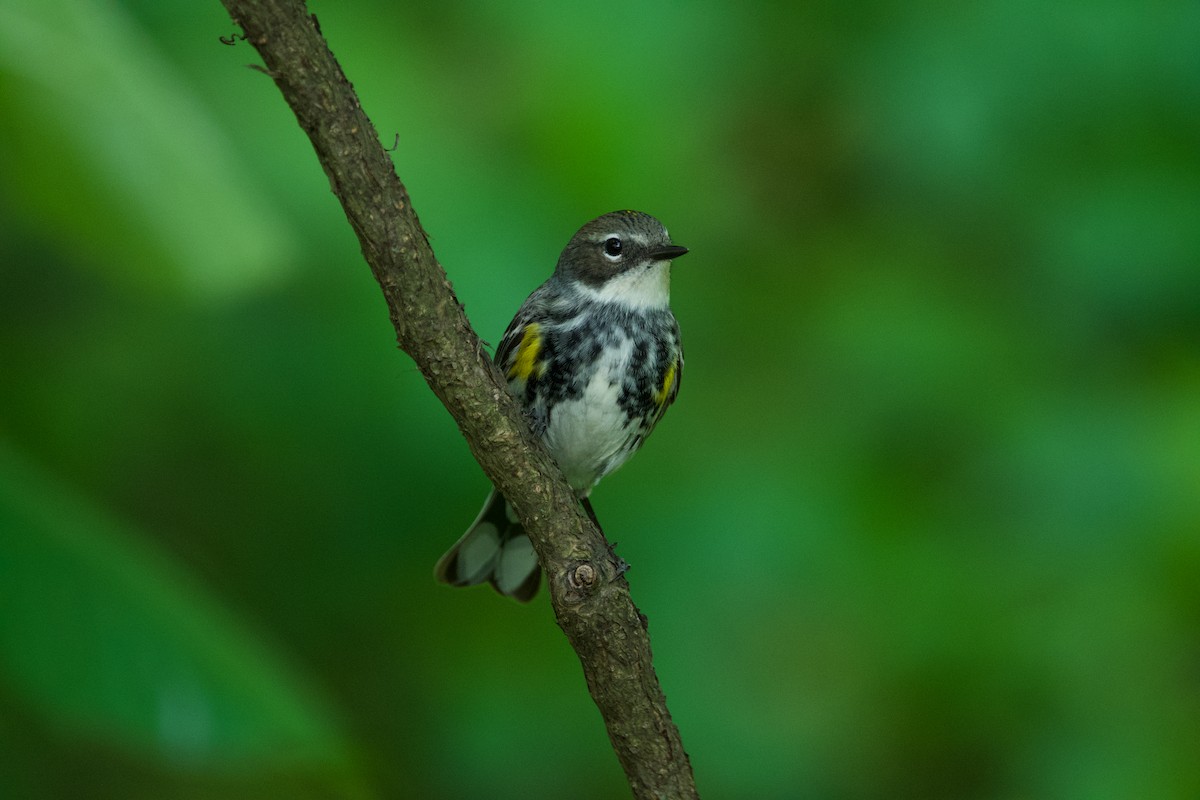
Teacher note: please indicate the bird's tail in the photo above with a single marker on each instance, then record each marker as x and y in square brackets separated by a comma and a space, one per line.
[494, 549]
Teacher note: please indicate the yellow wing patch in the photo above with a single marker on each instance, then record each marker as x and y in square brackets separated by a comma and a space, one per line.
[660, 397]
[526, 363]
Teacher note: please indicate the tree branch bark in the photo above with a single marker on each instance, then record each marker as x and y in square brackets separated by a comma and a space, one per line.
[589, 595]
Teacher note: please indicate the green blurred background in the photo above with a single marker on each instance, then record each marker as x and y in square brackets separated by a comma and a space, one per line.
[925, 521]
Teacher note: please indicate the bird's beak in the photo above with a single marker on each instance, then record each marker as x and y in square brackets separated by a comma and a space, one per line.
[667, 252]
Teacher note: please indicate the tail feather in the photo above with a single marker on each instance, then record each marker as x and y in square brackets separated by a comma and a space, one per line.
[494, 549]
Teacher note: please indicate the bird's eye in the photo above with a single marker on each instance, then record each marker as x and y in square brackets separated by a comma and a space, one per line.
[612, 248]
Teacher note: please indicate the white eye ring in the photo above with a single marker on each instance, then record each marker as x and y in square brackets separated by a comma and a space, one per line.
[612, 248]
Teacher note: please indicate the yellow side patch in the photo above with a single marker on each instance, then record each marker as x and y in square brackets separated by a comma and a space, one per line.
[660, 397]
[526, 364]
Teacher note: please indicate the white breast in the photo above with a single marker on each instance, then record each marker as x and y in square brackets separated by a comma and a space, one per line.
[588, 436]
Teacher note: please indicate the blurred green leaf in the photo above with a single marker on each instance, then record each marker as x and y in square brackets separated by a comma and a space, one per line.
[111, 640]
[152, 185]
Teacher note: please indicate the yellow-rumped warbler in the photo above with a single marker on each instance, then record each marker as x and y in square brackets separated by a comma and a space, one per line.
[594, 357]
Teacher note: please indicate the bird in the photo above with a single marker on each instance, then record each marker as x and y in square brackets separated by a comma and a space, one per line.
[594, 357]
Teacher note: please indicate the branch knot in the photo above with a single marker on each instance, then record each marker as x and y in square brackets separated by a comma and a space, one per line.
[582, 578]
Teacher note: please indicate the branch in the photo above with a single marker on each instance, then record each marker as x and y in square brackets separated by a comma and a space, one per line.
[589, 595]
